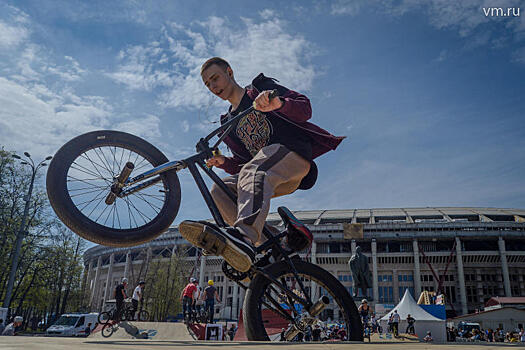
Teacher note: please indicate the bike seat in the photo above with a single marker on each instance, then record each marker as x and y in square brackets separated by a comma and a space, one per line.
[299, 236]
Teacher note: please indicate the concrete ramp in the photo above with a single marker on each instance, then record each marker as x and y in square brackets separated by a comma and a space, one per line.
[148, 330]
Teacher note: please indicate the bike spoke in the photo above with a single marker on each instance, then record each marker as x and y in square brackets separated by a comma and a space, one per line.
[90, 178]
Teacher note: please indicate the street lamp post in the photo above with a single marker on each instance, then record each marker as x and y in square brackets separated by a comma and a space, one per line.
[22, 230]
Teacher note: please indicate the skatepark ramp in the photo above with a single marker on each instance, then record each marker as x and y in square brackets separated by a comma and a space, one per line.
[148, 330]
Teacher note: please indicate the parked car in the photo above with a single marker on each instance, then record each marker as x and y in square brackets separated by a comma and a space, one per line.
[73, 325]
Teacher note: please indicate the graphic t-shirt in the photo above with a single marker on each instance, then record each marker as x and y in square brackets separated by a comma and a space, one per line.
[258, 129]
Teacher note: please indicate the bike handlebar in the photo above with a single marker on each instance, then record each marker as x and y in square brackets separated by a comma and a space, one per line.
[228, 126]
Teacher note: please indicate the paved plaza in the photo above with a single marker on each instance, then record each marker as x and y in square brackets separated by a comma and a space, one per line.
[48, 343]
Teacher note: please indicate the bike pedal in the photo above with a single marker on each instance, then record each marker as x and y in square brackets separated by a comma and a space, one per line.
[211, 242]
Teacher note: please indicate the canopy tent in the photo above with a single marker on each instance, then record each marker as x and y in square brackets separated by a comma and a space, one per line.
[424, 321]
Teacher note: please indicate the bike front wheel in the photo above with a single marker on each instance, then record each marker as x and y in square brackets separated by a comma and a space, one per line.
[81, 175]
[104, 317]
[264, 323]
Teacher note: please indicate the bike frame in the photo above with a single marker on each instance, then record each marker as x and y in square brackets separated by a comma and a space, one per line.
[204, 151]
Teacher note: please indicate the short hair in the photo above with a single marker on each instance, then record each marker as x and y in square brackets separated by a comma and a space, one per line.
[221, 62]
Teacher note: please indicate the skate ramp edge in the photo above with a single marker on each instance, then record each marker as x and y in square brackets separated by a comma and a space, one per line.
[148, 330]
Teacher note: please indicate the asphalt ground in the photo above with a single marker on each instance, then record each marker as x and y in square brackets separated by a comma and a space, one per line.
[52, 343]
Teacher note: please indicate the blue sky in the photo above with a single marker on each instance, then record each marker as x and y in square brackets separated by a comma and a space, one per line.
[430, 94]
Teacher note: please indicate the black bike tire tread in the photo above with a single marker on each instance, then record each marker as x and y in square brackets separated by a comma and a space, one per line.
[67, 212]
[100, 321]
[107, 325]
[253, 325]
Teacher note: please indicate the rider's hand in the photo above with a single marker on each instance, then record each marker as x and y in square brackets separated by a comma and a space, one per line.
[215, 161]
[264, 104]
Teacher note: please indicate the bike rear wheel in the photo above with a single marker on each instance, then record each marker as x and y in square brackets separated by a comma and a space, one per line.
[264, 324]
[80, 177]
[108, 329]
[143, 315]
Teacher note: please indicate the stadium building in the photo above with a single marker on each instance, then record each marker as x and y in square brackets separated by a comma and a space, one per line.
[478, 253]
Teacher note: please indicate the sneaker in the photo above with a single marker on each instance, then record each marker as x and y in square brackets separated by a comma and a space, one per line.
[228, 243]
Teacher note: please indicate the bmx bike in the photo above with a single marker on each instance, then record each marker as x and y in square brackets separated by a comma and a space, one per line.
[127, 314]
[90, 188]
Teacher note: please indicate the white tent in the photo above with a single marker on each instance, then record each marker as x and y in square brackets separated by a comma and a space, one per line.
[424, 321]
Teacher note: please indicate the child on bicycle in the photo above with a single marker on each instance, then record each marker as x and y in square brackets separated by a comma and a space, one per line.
[272, 147]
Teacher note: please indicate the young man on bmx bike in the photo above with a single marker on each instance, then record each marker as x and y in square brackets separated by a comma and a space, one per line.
[273, 149]
[117, 189]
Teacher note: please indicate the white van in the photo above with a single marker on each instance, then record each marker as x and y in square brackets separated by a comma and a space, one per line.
[73, 325]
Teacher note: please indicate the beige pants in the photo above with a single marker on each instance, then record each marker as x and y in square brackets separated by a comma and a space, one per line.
[273, 172]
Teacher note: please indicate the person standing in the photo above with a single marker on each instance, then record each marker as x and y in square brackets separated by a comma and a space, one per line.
[364, 310]
[13, 327]
[231, 332]
[120, 295]
[137, 297]
[87, 331]
[186, 297]
[410, 328]
[2, 326]
[395, 323]
[210, 295]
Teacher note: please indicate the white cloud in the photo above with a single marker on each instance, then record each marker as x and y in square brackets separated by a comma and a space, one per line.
[39, 109]
[12, 36]
[346, 7]
[146, 127]
[172, 63]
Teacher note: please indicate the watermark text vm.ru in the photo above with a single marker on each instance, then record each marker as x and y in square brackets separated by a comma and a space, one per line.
[501, 12]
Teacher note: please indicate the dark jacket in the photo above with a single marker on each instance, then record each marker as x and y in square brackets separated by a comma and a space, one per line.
[296, 110]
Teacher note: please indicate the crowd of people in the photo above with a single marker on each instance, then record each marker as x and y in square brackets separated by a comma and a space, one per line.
[193, 297]
[319, 332]
[490, 335]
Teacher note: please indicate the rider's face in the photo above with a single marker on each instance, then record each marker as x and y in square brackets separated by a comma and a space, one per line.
[218, 81]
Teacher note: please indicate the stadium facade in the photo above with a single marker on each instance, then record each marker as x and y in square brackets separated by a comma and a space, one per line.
[477, 253]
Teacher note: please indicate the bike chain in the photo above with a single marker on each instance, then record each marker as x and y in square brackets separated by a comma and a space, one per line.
[232, 273]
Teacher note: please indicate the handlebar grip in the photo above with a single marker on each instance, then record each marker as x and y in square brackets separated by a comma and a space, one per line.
[273, 94]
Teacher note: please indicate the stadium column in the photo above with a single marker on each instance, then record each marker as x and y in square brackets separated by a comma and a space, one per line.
[126, 266]
[87, 286]
[504, 267]
[241, 301]
[235, 301]
[417, 269]
[461, 278]
[94, 290]
[107, 291]
[313, 256]
[375, 286]
[202, 282]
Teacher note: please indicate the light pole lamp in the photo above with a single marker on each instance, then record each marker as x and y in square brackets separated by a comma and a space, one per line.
[21, 232]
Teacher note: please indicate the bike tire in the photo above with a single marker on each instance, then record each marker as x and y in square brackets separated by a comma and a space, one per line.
[80, 223]
[252, 309]
[104, 317]
[107, 330]
[143, 315]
